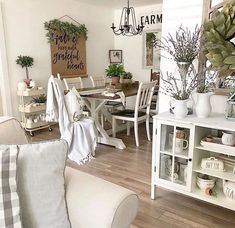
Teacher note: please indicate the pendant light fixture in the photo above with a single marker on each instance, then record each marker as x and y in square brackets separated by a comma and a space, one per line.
[128, 25]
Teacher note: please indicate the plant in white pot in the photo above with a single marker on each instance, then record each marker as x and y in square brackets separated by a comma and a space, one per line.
[127, 77]
[180, 90]
[25, 62]
[183, 49]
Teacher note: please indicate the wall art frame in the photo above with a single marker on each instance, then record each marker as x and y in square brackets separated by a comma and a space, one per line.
[115, 56]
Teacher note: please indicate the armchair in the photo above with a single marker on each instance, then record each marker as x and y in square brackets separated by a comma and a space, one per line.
[92, 202]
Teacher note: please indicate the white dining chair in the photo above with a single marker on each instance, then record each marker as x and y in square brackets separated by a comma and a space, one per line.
[76, 83]
[98, 81]
[81, 135]
[140, 113]
[155, 76]
[110, 105]
[73, 82]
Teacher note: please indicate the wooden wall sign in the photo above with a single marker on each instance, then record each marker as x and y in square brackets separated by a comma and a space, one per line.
[68, 56]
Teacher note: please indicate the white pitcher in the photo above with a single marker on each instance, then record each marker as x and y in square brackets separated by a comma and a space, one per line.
[203, 105]
[180, 108]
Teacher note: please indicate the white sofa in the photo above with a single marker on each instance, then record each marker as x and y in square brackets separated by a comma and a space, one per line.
[92, 202]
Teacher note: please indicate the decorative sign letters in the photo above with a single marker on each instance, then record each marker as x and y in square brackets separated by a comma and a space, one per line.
[151, 20]
[68, 56]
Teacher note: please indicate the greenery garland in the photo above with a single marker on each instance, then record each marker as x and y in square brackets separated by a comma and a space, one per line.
[69, 29]
[218, 32]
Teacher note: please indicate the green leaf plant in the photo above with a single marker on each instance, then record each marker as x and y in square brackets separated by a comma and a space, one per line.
[25, 62]
[70, 29]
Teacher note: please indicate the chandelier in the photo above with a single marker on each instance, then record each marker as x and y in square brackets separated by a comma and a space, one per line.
[128, 25]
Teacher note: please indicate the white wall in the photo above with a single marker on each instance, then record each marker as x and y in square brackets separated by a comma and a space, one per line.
[1, 110]
[5, 89]
[133, 46]
[25, 35]
[175, 14]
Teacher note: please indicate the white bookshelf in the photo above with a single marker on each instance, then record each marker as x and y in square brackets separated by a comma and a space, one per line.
[197, 129]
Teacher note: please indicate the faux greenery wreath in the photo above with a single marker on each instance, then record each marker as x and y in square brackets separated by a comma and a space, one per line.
[218, 32]
[69, 29]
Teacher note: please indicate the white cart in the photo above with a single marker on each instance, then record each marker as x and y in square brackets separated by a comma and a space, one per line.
[33, 111]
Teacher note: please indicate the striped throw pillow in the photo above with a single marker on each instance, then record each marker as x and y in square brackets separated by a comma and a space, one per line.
[9, 200]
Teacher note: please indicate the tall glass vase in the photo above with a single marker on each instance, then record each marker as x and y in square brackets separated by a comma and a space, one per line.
[183, 69]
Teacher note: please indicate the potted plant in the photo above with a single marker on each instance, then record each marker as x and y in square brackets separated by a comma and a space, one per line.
[115, 71]
[127, 76]
[40, 99]
[183, 49]
[25, 62]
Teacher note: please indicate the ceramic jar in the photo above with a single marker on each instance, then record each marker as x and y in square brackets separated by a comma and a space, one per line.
[228, 138]
[212, 164]
[205, 183]
[229, 189]
[203, 105]
[180, 108]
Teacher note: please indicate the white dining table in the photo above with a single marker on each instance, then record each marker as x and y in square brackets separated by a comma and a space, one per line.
[95, 101]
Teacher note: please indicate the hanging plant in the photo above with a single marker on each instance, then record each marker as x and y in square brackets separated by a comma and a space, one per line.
[70, 29]
[218, 32]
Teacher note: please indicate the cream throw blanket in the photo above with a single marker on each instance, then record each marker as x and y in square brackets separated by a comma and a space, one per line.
[81, 135]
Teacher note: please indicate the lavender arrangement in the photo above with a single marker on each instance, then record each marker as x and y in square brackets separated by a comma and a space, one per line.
[183, 48]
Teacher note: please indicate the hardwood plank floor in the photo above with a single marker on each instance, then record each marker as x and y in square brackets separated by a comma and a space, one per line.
[131, 168]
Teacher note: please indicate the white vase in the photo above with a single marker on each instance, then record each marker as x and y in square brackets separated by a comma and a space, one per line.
[180, 108]
[203, 105]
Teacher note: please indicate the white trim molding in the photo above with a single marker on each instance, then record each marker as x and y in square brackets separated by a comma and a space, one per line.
[5, 87]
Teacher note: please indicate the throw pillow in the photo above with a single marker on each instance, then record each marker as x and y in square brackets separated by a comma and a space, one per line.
[9, 200]
[41, 184]
[74, 105]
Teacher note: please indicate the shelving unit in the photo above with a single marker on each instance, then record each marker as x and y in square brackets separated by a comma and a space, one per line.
[165, 125]
[27, 112]
[226, 175]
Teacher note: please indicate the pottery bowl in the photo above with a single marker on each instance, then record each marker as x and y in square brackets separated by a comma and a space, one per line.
[204, 182]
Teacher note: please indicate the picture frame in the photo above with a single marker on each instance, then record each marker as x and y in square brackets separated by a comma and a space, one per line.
[151, 54]
[115, 56]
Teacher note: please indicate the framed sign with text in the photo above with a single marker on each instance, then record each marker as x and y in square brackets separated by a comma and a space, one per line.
[68, 56]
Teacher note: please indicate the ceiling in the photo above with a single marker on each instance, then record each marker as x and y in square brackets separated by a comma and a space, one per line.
[116, 4]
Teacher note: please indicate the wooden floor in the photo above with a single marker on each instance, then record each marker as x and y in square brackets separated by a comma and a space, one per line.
[131, 168]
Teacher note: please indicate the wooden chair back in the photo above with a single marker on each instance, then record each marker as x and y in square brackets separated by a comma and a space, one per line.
[98, 81]
[144, 96]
